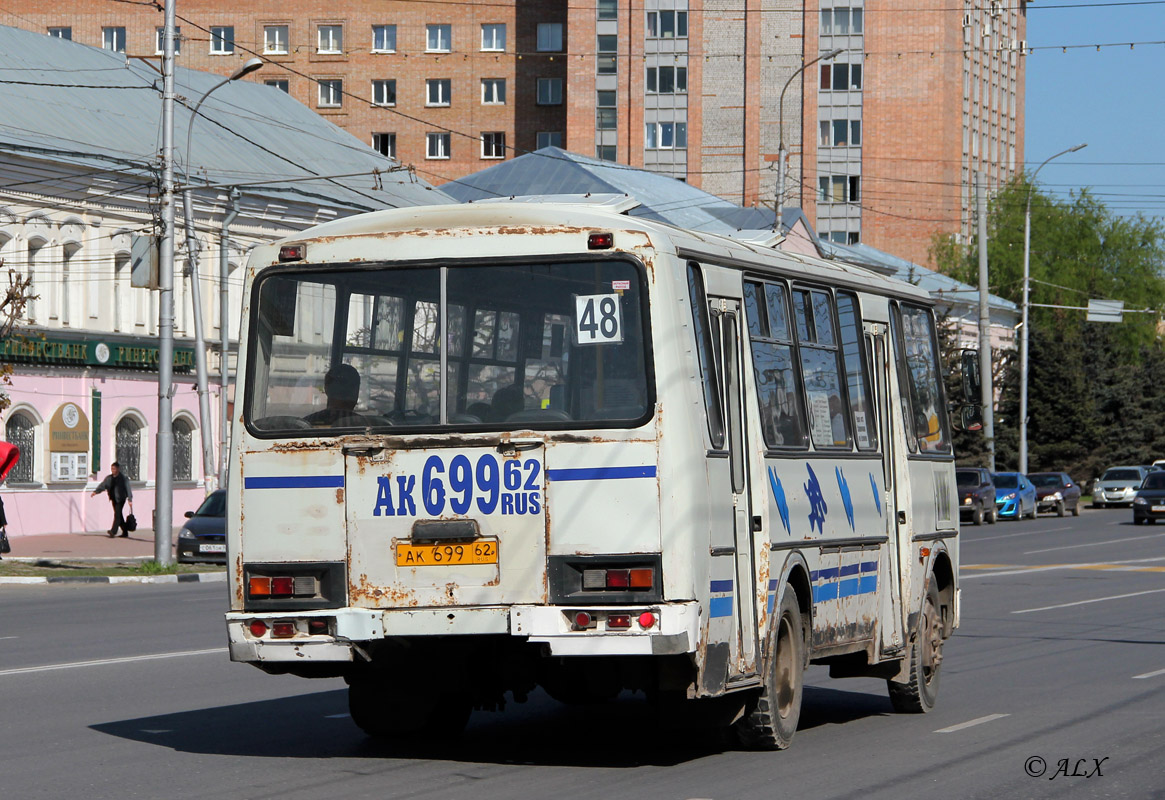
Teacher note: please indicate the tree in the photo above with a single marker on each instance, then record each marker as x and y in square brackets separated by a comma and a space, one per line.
[12, 305]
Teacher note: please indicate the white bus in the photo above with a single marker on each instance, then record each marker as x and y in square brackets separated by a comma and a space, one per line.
[484, 448]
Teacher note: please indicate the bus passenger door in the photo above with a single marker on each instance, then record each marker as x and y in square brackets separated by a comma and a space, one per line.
[726, 319]
[893, 477]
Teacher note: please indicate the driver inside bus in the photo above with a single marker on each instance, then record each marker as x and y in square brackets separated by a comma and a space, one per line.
[342, 387]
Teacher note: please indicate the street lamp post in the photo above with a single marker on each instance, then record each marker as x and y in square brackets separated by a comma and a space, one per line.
[164, 447]
[781, 153]
[208, 462]
[1023, 337]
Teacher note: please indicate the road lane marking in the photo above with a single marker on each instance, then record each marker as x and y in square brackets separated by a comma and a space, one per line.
[9, 637]
[1019, 569]
[1149, 675]
[105, 661]
[964, 540]
[972, 723]
[337, 716]
[1094, 544]
[1086, 602]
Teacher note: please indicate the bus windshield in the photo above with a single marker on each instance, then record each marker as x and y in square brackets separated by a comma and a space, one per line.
[551, 345]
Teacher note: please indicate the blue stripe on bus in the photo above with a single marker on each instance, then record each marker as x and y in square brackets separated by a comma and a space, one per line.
[599, 473]
[720, 607]
[869, 566]
[722, 586]
[849, 569]
[826, 591]
[296, 482]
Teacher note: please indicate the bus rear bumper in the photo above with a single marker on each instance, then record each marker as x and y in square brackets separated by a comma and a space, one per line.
[674, 629]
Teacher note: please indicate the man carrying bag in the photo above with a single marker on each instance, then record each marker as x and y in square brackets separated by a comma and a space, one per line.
[117, 487]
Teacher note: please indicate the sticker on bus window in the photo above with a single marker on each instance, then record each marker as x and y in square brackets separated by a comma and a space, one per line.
[621, 286]
[598, 319]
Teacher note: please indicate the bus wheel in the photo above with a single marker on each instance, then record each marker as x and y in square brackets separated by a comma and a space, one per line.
[383, 710]
[771, 720]
[919, 694]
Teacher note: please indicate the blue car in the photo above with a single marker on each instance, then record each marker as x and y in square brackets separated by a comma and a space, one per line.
[1015, 495]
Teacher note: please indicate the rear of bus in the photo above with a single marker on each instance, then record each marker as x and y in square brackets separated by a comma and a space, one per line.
[443, 518]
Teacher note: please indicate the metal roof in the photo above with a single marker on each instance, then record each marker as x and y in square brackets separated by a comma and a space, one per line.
[72, 103]
[943, 288]
[554, 171]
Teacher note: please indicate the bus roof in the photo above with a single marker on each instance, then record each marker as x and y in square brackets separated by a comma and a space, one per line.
[554, 217]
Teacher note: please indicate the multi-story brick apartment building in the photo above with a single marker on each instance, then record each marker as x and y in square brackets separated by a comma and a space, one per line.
[885, 140]
[447, 87]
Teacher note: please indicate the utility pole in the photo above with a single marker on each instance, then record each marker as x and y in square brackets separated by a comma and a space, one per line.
[988, 397]
[164, 449]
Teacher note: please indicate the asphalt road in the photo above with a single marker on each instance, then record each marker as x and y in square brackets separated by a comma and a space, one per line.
[126, 691]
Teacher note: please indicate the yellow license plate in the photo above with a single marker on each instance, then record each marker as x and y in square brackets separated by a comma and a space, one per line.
[482, 551]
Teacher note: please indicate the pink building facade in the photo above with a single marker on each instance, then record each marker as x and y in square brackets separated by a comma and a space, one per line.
[72, 420]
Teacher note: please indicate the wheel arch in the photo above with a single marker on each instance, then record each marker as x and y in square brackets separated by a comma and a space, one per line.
[794, 575]
[943, 574]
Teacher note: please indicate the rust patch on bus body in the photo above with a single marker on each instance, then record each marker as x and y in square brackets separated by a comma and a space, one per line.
[340, 496]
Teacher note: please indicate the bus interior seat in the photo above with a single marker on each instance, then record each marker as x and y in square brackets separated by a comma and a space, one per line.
[281, 423]
[540, 415]
[465, 419]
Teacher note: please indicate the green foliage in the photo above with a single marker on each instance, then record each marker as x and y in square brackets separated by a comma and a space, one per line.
[1096, 391]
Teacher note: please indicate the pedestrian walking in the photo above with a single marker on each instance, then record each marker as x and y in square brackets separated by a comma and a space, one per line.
[117, 487]
[9, 455]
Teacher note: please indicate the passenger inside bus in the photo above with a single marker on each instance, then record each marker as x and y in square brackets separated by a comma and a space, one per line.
[342, 388]
[507, 400]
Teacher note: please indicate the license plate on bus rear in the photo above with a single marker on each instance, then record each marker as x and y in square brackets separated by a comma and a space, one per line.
[212, 548]
[444, 554]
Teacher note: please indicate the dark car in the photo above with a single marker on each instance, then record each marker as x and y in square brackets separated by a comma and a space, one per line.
[976, 495]
[204, 536]
[1056, 491]
[1149, 504]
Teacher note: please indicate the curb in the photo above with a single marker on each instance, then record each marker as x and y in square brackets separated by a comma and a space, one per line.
[192, 577]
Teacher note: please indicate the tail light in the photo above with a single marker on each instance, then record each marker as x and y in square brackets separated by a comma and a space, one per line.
[283, 629]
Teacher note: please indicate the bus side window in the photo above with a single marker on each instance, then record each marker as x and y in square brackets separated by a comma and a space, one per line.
[704, 352]
[828, 419]
[856, 372]
[926, 396]
[903, 382]
[782, 414]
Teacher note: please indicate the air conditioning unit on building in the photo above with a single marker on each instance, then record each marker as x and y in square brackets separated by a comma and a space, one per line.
[996, 9]
[986, 29]
[967, 20]
[1019, 45]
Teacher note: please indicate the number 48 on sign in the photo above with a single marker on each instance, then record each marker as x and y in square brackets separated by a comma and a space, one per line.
[598, 319]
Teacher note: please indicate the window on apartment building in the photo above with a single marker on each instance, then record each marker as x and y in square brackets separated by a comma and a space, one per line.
[841, 21]
[160, 40]
[493, 144]
[841, 132]
[831, 189]
[841, 77]
[666, 135]
[61, 33]
[550, 91]
[493, 91]
[279, 83]
[384, 38]
[385, 144]
[438, 145]
[493, 37]
[667, 24]
[439, 38]
[608, 9]
[855, 188]
[384, 92]
[331, 93]
[548, 139]
[275, 39]
[606, 152]
[549, 37]
[330, 39]
[667, 80]
[113, 39]
[608, 48]
[222, 40]
[606, 114]
[437, 91]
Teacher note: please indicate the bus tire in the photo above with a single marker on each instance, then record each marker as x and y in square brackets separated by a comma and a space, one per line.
[771, 719]
[918, 695]
[382, 710]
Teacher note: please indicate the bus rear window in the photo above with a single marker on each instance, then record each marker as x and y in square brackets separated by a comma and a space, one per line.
[553, 345]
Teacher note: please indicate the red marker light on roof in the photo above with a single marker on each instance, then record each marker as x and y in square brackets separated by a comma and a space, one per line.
[293, 252]
[600, 241]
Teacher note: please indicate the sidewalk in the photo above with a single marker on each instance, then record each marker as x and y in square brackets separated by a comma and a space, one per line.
[92, 545]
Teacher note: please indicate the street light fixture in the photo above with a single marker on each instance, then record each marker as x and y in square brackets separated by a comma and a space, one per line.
[1023, 340]
[208, 462]
[781, 153]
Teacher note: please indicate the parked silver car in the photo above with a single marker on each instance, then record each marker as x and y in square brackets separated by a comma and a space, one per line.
[1117, 486]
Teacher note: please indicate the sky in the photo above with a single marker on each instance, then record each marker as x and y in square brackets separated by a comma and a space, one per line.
[1113, 99]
